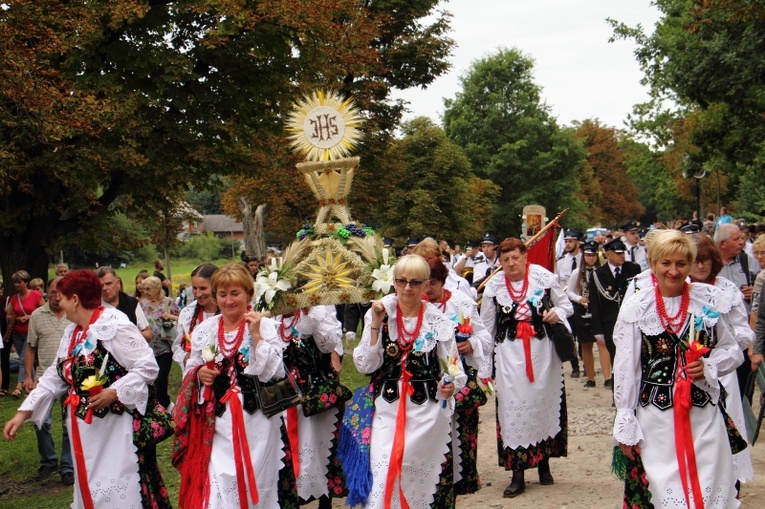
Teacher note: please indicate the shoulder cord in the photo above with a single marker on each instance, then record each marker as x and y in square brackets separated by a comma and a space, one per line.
[603, 292]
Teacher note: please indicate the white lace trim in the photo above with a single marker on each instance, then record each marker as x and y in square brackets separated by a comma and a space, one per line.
[640, 308]
[627, 429]
[435, 325]
[315, 435]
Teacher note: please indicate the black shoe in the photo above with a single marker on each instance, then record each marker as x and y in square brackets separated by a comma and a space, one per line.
[545, 477]
[589, 383]
[44, 472]
[67, 479]
[576, 373]
[608, 383]
[517, 485]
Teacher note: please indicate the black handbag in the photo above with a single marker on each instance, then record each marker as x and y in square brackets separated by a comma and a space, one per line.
[562, 338]
[277, 396]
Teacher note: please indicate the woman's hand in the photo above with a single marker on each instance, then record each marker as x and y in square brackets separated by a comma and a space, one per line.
[465, 348]
[695, 370]
[103, 399]
[378, 313]
[9, 431]
[253, 321]
[447, 390]
[584, 301]
[630, 451]
[207, 376]
[550, 316]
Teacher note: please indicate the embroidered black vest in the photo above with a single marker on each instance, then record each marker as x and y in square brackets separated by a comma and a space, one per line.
[248, 384]
[507, 325]
[659, 356]
[306, 362]
[424, 367]
[84, 366]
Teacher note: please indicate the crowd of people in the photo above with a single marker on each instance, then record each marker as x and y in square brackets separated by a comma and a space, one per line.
[677, 316]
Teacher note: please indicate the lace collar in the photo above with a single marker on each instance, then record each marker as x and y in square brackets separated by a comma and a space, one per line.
[539, 280]
[707, 302]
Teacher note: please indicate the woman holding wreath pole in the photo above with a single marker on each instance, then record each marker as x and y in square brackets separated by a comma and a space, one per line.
[310, 335]
[517, 305]
[230, 455]
[472, 341]
[673, 343]
[106, 366]
[405, 345]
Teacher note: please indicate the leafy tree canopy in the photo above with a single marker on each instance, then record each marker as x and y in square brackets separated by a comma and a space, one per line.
[510, 138]
[437, 193]
[705, 66]
[138, 100]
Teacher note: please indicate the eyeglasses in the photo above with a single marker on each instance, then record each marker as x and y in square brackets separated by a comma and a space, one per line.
[759, 253]
[413, 283]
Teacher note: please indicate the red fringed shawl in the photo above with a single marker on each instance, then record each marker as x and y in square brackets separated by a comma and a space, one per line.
[192, 446]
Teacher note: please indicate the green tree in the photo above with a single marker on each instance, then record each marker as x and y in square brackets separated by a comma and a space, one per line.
[435, 191]
[137, 101]
[705, 65]
[510, 138]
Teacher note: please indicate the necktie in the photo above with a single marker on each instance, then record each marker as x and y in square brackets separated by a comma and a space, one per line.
[617, 272]
[573, 264]
[589, 274]
[632, 254]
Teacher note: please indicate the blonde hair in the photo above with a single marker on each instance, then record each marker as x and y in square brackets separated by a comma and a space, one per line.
[413, 264]
[671, 242]
[233, 274]
[37, 284]
[427, 247]
[759, 242]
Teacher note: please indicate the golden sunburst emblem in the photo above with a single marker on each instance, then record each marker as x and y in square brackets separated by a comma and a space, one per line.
[324, 127]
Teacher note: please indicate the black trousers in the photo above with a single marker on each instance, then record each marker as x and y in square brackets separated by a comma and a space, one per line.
[165, 362]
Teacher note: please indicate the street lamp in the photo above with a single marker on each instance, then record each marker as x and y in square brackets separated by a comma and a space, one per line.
[694, 169]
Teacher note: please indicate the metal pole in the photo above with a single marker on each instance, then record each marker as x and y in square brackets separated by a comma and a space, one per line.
[698, 199]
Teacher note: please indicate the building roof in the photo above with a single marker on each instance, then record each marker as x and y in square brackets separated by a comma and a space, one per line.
[221, 223]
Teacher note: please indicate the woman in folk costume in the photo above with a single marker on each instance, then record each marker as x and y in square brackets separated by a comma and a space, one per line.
[405, 345]
[705, 269]
[472, 341]
[203, 307]
[106, 366]
[310, 336]
[518, 304]
[230, 455]
[672, 346]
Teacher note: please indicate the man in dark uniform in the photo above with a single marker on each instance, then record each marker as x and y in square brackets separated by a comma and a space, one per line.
[606, 290]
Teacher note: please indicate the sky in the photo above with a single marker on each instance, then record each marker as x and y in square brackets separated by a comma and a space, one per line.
[581, 74]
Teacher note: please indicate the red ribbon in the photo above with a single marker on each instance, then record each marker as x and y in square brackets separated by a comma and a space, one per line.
[396, 465]
[292, 435]
[686, 454]
[82, 475]
[526, 332]
[241, 449]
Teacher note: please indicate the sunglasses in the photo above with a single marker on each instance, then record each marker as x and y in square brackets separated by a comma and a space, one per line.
[413, 283]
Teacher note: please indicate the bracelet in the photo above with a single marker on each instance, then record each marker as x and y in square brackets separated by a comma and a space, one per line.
[375, 328]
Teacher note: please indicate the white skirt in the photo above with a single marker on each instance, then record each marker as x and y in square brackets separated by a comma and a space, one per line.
[714, 460]
[427, 431]
[266, 452]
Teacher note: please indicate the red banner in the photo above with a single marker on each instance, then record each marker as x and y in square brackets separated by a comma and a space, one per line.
[542, 251]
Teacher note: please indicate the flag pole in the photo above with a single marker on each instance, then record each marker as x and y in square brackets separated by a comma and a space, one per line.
[529, 243]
